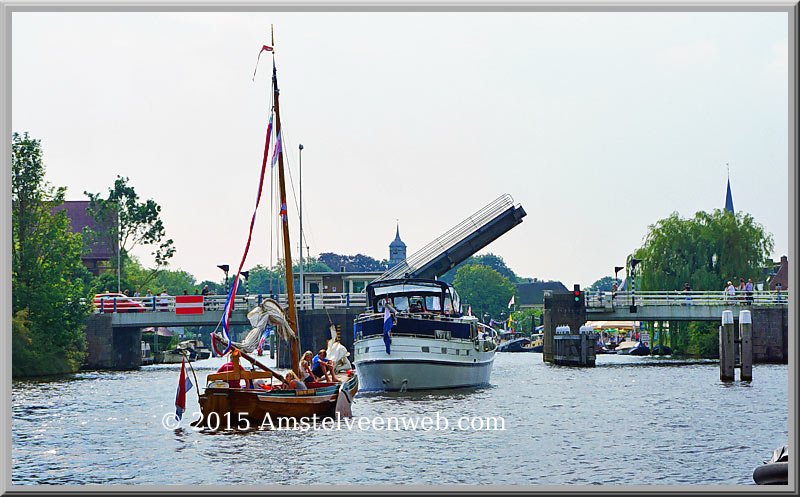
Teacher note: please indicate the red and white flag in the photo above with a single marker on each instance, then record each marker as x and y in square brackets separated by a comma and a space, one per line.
[189, 304]
[184, 385]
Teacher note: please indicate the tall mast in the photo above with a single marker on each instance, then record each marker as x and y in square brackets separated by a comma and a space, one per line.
[291, 314]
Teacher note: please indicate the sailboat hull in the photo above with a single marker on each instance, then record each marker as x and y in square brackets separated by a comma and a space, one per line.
[229, 407]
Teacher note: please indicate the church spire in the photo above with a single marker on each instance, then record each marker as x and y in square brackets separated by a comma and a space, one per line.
[728, 196]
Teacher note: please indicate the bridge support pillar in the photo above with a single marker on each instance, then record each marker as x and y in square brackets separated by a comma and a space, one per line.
[109, 347]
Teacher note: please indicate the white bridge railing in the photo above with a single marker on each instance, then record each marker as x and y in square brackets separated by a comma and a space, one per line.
[608, 300]
[166, 303]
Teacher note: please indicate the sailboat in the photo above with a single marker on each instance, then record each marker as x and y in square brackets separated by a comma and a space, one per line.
[236, 393]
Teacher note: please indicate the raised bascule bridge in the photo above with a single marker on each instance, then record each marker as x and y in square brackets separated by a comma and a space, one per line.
[114, 337]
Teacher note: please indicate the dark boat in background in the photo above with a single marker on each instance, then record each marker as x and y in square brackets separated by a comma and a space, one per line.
[521, 344]
[632, 348]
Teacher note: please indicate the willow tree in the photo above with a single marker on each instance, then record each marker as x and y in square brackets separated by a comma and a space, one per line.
[705, 251]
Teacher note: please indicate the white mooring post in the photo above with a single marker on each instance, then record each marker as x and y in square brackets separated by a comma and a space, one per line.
[727, 352]
[746, 339]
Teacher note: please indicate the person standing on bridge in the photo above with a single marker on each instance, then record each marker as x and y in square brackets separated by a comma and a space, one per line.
[163, 301]
[730, 292]
[206, 291]
[748, 287]
[687, 290]
[613, 293]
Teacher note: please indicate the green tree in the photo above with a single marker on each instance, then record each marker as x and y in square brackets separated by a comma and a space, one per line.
[491, 260]
[704, 251]
[604, 284]
[139, 224]
[49, 300]
[484, 289]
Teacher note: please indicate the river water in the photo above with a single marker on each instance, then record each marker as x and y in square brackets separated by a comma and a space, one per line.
[628, 421]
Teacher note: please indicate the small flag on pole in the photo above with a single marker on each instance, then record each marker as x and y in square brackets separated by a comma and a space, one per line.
[277, 152]
[469, 311]
[184, 385]
[387, 327]
[511, 302]
[283, 210]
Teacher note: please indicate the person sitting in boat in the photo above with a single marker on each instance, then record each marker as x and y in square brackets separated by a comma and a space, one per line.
[321, 366]
[228, 366]
[305, 367]
[292, 382]
[416, 306]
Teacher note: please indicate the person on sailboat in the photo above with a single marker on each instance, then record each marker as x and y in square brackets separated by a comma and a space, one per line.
[321, 366]
[305, 367]
[293, 383]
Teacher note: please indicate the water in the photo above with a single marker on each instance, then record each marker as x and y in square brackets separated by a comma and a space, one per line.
[628, 421]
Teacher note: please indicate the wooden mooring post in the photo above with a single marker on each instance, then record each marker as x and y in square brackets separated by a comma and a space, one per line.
[736, 349]
[746, 346]
[727, 352]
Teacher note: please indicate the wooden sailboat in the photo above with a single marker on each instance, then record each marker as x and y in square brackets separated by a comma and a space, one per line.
[222, 400]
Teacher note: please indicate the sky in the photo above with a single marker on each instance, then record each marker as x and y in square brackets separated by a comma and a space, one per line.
[598, 123]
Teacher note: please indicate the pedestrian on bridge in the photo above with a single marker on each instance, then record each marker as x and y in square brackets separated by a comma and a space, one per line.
[748, 287]
[730, 292]
[687, 290]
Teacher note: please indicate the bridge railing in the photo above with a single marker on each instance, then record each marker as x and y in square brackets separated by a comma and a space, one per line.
[166, 303]
[609, 300]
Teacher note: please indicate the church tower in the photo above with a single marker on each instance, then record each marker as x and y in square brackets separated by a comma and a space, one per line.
[728, 196]
[397, 250]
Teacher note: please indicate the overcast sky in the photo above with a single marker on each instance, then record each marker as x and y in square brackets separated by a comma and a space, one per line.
[598, 124]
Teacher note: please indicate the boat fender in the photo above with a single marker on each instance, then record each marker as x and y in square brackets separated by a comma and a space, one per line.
[776, 473]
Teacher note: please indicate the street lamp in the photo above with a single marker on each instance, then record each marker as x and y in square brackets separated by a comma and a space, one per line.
[225, 268]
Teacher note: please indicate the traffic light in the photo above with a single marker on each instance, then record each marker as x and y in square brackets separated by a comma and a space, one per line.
[576, 295]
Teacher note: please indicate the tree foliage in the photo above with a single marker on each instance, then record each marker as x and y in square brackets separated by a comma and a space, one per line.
[49, 300]
[139, 223]
[491, 260]
[352, 263]
[485, 289]
[704, 251]
[604, 284]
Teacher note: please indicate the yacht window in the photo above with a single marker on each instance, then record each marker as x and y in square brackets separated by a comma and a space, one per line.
[448, 305]
[401, 303]
[432, 303]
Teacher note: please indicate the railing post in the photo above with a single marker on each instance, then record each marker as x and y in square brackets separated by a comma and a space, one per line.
[102, 302]
[348, 301]
[115, 304]
[312, 300]
[259, 299]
